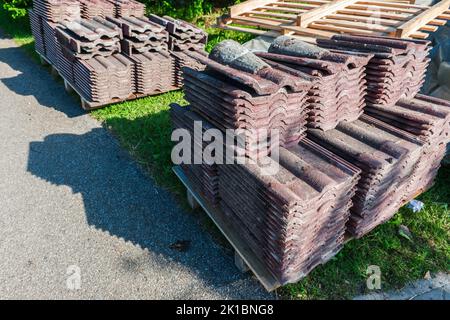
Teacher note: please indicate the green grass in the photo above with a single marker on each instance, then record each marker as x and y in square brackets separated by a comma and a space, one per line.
[18, 29]
[143, 128]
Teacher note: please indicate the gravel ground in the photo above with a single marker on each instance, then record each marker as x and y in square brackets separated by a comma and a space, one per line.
[75, 209]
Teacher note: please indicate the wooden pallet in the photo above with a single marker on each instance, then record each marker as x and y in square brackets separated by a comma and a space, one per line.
[86, 104]
[310, 19]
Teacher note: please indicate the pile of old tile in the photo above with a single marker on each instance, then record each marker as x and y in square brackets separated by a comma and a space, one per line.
[44, 33]
[203, 176]
[387, 157]
[128, 8]
[153, 72]
[397, 69]
[102, 79]
[65, 64]
[52, 48]
[240, 91]
[37, 31]
[96, 8]
[88, 38]
[294, 219]
[146, 44]
[141, 35]
[181, 60]
[339, 86]
[428, 118]
[182, 37]
[57, 10]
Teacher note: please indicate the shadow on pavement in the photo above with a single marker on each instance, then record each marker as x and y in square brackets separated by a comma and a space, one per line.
[121, 200]
[35, 80]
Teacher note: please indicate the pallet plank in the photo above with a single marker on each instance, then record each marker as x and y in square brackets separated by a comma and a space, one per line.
[247, 6]
[426, 16]
[353, 24]
[304, 19]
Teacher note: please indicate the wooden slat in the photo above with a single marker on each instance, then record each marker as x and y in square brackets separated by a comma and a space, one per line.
[382, 6]
[271, 19]
[393, 4]
[348, 17]
[420, 36]
[247, 6]
[281, 9]
[256, 32]
[383, 9]
[426, 16]
[260, 23]
[354, 24]
[310, 32]
[329, 27]
[273, 14]
[306, 18]
[378, 14]
[438, 22]
[429, 28]
[302, 5]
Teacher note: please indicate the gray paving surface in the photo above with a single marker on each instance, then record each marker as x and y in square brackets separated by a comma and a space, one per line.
[69, 196]
[435, 288]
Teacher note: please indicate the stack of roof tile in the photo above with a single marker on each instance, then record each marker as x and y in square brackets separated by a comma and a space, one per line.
[428, 118]
[57, 10]
[141, 35]
[128, 8]
[88, 38]
[240, 91]
[101, 79]
[96, 8]
[294, 219]
[146, 43]
[387, 157]
[65, 64]
[203, 176]
[181, 60]
[339, 86]
[182, 37]
[153, 72]
[52, 47]
[37, 31]
[397, 69]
